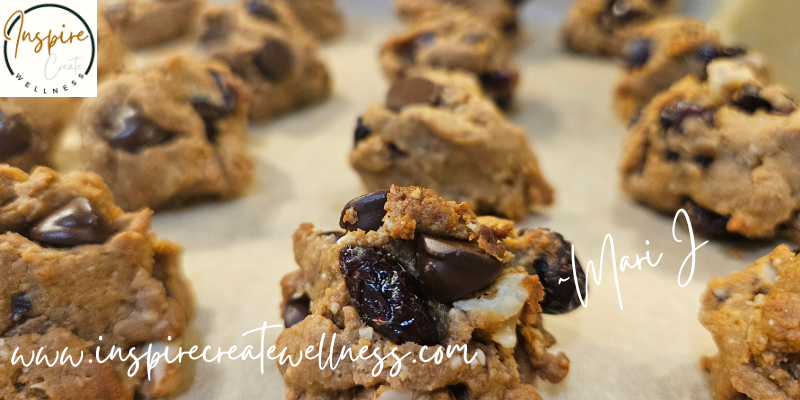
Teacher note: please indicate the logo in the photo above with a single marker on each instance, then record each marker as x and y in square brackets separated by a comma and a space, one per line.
[49, 49]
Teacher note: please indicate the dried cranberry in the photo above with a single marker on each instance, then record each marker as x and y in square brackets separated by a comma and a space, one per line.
[554, 268]
[388, 298]
[675, 115]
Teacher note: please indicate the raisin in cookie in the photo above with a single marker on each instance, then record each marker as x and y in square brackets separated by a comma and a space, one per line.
[501, 14]
[665, 51]
[146, 23]
[169, 134]
[724, 149]
[320, 17]
[439, 131]
[81, 274]
[111, 54]
[31, 128]
[602, 27]
[454, 40]
[752, 316]
[411, 269]
[270, 51]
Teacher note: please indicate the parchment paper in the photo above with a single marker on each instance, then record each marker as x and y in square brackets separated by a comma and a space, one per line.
[236, 252]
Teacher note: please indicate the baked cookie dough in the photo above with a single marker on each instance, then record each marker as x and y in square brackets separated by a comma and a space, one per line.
[169, 134]
[665, 51]
[602, 27]
[31, 129]
[146, 23]
[723, 149]
[111, 54]
[438, 130]
[78, 269]
[502, 14]
[455, 39]
[751, 315]
[320, 17]
[270, 51]
[411, 269]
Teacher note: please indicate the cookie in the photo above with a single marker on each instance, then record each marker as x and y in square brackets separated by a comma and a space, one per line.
[169, 134]
[146, 23]
[665, 51]
[502, 14]
[320, 17]
[111, 53]
[723, 149]
[268, 49]
[454, 40]
[410, 269]
[439, 131]
[77, 268]
[751, 316]
[602, 27]
[31, 129]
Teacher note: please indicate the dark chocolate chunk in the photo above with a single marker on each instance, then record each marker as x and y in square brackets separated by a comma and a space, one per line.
[453, 269]
[704, 161]
[369, 210]
[75, 224]
[388, 298]
[20, 305]
[675, 115]
[706, 222]
[408, 49]
[211, 111]
[499, 85]
[749, 99]
[411, 91]
[274, 60]
[362, 131]
[15, 136]
[295, 311]
[554, 268]
[637, 52]
[132, 132]
[261, 9]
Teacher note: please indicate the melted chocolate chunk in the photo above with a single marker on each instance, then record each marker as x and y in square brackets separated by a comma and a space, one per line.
[499, 85]
[15, 136]
[75, 224]
[453, 269]
[369, 209]
[295, 311]
[20, 305]
[261, 9]
[707, 222]
[410, 91]
[133, 131]
[274, 60]
[637, 52]
[362, 131]
[749, 99]
[388, 298]
[210, 111]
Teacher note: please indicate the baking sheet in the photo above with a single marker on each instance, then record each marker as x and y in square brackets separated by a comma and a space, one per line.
[237, 251]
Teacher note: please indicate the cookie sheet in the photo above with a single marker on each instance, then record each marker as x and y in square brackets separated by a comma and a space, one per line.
[647, 347]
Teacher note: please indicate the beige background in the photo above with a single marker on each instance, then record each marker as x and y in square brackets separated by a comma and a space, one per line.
[237, 251]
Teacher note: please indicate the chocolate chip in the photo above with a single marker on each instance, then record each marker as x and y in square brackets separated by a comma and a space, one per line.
[749, 99]
[411, 91]
[369, 210]
[15, 136]
[362, 131]
[20, 305]
[453, 269]
[408, 49]
[274, 60]
[75, 224]
[707, 222]
[460, 392]
[261, 9]
[675, 115]
[499, 85]
[295, 311]
[210, 111]
[555, 272]
[637, 52]
[127, 129]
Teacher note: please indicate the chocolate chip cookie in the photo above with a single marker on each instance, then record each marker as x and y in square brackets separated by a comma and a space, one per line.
[320, 17]
[502, 14]
[602, 27]
[146, 23]
[81, 274]
[454, 40]
[752, 318]
[410, 269]
[265, 45]
[724, 149]
[111, 54]
[438, 130]
[169, 134]
[31, 129]
[665, 51]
